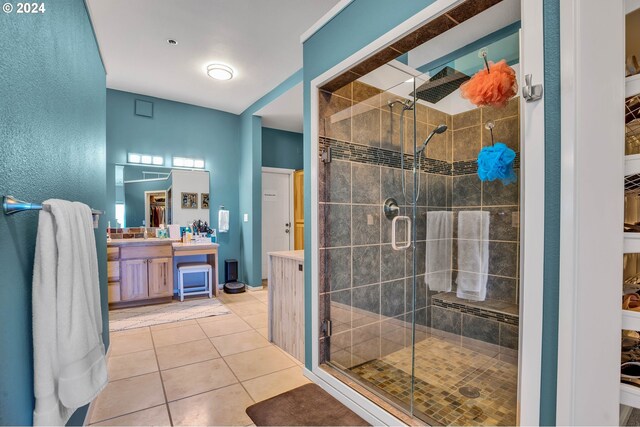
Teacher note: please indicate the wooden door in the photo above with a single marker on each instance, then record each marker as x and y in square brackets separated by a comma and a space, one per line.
[133, 280]
[160, 277]
[298, 210]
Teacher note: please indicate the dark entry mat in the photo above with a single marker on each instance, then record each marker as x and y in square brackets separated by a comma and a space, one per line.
[308, 405]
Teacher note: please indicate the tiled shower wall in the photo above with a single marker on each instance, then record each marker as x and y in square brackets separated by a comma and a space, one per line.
[495, 320]
[366, 286]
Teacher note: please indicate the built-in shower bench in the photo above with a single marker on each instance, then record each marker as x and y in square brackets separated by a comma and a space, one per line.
[495, 322]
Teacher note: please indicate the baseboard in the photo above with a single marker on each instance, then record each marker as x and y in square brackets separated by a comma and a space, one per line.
[367, 410]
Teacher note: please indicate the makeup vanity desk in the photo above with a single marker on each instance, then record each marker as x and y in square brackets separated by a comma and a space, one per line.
[208, 249]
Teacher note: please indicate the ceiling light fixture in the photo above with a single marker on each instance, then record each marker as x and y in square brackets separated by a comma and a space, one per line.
[219, 72]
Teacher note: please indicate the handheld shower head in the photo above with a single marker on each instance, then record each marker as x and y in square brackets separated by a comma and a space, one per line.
[438, 130]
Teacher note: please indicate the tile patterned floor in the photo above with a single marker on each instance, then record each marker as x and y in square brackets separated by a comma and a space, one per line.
[442, 368]
[196, 372]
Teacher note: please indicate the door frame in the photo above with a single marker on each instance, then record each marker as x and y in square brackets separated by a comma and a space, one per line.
[279, 171]
[532, 178]
[147, 206]
[591, 212]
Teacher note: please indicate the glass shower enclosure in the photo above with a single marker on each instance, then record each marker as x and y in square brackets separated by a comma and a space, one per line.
[419, 258]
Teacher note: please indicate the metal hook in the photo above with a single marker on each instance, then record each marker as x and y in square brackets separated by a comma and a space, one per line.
[489, 125]
[486, 63]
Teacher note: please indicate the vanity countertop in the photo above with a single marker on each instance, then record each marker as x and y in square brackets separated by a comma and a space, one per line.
[141, 242]
[295, 255]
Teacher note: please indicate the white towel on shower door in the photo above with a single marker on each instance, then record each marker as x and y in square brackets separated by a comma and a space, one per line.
[69, 357]
[473, 255]
[438, 251]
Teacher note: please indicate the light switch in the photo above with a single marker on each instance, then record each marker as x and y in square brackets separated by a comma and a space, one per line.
[515, 219]
[246, 217]
[369, 219]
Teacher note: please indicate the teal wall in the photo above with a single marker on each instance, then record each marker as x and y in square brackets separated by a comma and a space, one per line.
[281, 149]
[363, 21]
[178, 129]
[250, 179]
[52, 128]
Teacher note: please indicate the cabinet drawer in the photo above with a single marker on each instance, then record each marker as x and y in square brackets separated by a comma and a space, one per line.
[113, 291]
[157, 251]
[113, 270]
[113, 254]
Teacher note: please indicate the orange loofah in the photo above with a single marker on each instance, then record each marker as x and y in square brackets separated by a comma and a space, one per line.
[493, 88]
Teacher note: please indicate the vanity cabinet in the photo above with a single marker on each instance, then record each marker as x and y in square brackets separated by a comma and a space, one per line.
[145, 272]
[160, 273]
[113, 274]
[286, 301]
[134, 284]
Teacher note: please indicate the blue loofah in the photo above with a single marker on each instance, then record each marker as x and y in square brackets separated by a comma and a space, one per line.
[496, 162]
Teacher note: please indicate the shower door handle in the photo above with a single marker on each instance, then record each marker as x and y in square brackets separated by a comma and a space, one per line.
[407, 222]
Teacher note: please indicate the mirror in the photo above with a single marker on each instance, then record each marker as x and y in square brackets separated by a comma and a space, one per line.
[153, 196]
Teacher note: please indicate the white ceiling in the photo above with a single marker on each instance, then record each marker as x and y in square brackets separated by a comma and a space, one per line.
[260, 40]
[285, 112]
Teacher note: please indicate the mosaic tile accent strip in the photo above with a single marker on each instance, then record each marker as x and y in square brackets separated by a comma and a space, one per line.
[342, 150]
[477, 311]
[468, 167]
[465, 167]
[380, 157]
[442, 370]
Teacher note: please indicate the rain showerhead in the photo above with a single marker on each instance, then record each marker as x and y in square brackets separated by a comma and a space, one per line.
[438, 130]
[440, 85]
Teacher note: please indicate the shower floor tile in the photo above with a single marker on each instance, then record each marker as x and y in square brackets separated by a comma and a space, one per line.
[442, 369]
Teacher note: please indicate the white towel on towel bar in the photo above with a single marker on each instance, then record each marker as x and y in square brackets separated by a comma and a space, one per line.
[223, 220]
[69, 358]
[438, 251]
[473, 255]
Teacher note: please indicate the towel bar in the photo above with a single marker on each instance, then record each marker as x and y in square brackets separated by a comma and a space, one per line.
[11, 205]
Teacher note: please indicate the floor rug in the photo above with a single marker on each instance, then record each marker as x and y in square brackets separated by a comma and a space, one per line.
[308, 405]
[149, 315]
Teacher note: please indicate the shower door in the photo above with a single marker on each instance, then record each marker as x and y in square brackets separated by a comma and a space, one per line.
[372, 206]
[419, 260]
